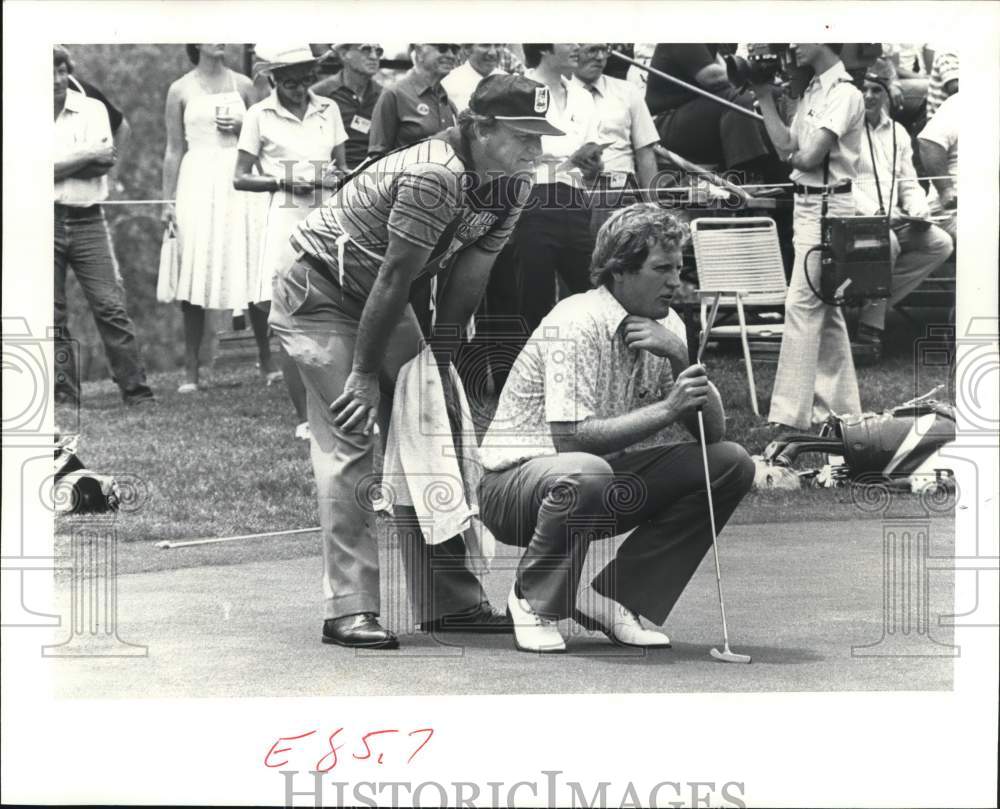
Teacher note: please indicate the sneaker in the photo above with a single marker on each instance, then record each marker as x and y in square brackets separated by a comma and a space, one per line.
[619, 623]
[303, 431]
[532, 633]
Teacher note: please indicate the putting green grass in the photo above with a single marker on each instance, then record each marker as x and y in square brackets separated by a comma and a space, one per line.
[224, 461]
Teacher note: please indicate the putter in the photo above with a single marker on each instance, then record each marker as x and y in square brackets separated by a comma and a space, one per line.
[727, 655]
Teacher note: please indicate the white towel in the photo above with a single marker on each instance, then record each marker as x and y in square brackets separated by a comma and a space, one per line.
[424, 468]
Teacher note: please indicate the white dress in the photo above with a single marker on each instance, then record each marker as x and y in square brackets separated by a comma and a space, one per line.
[218, 228]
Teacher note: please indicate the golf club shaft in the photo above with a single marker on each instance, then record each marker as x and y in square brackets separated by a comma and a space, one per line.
[711, 518]
[708, 329]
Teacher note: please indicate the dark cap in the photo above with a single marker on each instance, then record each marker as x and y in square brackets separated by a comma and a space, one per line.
[517, 102]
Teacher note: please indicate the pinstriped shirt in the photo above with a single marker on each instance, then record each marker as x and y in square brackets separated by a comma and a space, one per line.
[420, 194]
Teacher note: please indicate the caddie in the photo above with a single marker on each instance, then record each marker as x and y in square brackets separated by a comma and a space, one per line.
[442, 207]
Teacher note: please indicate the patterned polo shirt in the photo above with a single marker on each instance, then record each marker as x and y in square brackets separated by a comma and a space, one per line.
[421, 195]
[355, 111]
[409, 111]
[831, 102]
[575, 366]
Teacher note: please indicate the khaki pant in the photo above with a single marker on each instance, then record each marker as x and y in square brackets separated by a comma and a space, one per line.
[318, 327]
[815, 374]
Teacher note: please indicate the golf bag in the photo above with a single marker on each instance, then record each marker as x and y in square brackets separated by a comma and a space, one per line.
[78, 490]
[885, 446]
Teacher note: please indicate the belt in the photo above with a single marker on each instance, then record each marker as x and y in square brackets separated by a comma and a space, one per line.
[819, 190]
[77, 211]
[319, 266]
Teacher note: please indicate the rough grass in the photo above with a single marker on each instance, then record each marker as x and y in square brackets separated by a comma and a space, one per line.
[225, 461]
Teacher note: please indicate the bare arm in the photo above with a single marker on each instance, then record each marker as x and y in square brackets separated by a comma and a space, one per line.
[601, 436]
[244, 178]
[935, 159]
[173, 118]
[79, 163]
[101, 167]
[357, 406]
[814, 151]
[645, 166]
[780, 135]
[465, 288]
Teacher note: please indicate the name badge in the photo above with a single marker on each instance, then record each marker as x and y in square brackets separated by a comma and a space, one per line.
[359, 124]
[617, 179]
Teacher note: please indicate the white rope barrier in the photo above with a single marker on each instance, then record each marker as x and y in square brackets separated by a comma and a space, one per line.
[168, 545]
[664, 189]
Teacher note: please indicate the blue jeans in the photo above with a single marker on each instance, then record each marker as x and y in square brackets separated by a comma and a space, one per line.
[83, 242]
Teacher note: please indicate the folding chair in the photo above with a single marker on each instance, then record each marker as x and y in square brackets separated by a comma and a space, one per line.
[741, 258]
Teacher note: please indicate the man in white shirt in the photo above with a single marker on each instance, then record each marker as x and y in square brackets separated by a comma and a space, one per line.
[815, 374]
[482, 60]
[938, 143]
[625, 124]
[84, 154]
[885, 167]
[553, 235]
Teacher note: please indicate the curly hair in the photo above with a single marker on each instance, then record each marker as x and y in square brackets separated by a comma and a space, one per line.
[624, 241]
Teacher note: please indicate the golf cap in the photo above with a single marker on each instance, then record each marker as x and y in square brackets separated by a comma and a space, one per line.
[518, 102]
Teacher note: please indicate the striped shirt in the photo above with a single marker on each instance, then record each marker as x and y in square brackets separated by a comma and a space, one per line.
[420, 194]
[945, 69]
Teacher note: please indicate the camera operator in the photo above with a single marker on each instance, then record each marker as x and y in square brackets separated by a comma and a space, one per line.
[815, 369]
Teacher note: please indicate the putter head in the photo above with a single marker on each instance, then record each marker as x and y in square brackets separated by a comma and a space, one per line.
[727, 656]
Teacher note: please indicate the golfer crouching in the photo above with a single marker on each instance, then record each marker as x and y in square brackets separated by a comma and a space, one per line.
[577, 449]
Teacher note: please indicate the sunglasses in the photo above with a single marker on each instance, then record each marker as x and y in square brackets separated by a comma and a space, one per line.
[370, 50]
[303, 81]
[452, 49]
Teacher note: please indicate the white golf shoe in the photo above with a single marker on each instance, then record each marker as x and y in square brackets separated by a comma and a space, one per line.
[619, 623]
[532, 633]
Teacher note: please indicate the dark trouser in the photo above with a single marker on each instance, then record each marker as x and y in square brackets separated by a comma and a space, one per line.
[552, 236]
[556, 505]
[501, 329]
[614, 192]
[83, 242]
[706, 132]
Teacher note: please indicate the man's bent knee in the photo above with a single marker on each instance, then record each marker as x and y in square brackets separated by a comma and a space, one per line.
[582, 480]
[732, 461]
